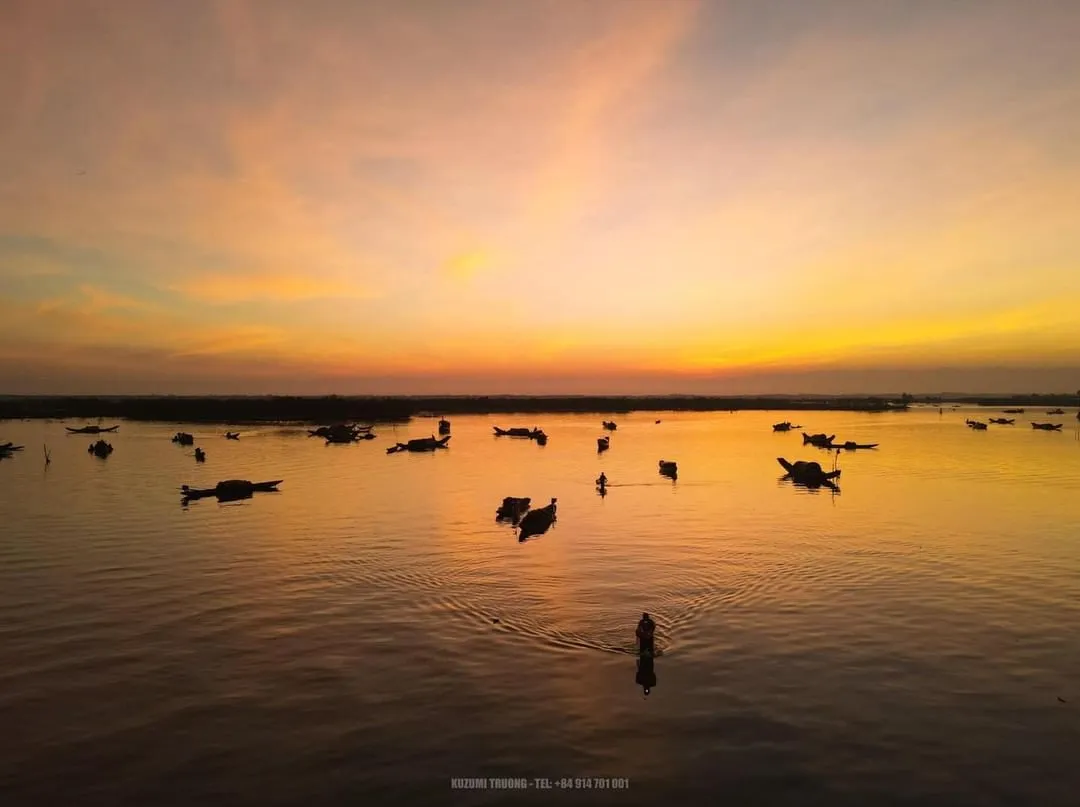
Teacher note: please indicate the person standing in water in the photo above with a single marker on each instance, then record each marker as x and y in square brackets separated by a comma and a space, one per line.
[646, 630]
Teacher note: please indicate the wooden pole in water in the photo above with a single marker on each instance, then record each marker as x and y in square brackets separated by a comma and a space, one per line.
[48, 459]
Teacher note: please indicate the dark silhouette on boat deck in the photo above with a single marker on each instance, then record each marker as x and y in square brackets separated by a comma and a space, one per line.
[512, 509]
[601, 484]
[92, 429]
[420, 444]
[819, 440]
[232, 435]
[1047, 427]
[646, 642]
[444, 426]
[230, 490]
[784, 427]
[808, 474]
[609, 425]
[200, 455]
[9, 449]
[537, 522]
[603, 444]
[1003, 421]
[669, 469]
[100, 449]
[184, 439]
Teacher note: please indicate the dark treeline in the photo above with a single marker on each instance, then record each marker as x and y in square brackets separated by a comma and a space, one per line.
[334, 409]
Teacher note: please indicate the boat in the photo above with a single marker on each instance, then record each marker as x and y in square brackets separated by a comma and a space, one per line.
[184, 439]
[230, 490]
[351, 437]
[609, 425]
[200, 455]
[819, 440]
[1003, 421]
[512, 509]
[976, 425]
[784, 427]
[537, 522]
[100, 449]
[8, 449]
[532, 434]
[444, 426]
[852, 446]
[1055, 411]
[420, 444]
[603, 443]
[670, 469]
[92, 429]
[232, 435]
[340, 430]
[1013, 411]
[807, 473]
[1047, 427]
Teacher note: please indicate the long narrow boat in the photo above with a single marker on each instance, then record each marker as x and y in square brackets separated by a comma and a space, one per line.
[230, 490]
[1003, 421]
[421, 444]
[1055, 411]
[92, 429]
[518, 432]
[1013, 411]
[850, 445]
[818, 439]
[976, 425]
[786, 426]
[1047, 427]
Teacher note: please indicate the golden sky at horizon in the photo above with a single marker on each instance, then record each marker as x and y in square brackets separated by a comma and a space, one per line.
[538, 196]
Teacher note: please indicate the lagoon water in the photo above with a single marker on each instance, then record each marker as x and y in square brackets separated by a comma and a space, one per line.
[370, 632]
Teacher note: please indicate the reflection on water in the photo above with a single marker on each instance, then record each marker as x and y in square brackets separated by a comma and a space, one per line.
[370, 631]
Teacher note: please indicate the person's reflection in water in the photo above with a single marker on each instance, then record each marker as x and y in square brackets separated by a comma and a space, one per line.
[646, 675]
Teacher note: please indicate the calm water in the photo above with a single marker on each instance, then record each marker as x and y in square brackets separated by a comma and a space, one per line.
[904, 642]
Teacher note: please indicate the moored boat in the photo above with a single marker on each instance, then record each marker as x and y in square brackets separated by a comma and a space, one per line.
[1013, 411]
[1055, 411]
[420, 444]
[1003, 421]
[603, 443]
[184, 439]
[786, 426]
[669, 468]
[1047, 427]
[807, 473]
[609, 425]
[92, 429]
[444, 426]
[232, 435]
[200, 455]
[230, 490]
[537, 522]
[100, 449]
[512, 509]
[819, 440]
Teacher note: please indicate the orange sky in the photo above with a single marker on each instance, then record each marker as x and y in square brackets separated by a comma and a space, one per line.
[645, 196]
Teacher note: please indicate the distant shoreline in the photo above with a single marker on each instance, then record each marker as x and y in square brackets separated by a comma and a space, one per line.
[371, 409]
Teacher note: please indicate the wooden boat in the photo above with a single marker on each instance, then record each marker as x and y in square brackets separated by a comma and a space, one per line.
[100, 449]
[421, 444]
[200, 455]
[8, 449]
[92, 429]
[184, 439]
[1013, 411]
[670, 469]
[807, 473]
[1055, 411]
[230, 490]
[512, 509]
[537, 522]
[609, 425]
[976, 425]
[339, 429]
[349, 438]
[784, 427]
[820, 440]
[532, 434]
[852, 446]
[1003, 421]
[444, 426]
[1047, 427]
[603, 443]
[232, 435]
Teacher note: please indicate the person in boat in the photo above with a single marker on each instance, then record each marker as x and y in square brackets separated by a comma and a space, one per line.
[646, 674]
[646, 631]
[601, 480]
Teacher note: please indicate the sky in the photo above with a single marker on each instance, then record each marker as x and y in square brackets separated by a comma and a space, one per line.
[539, 196]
